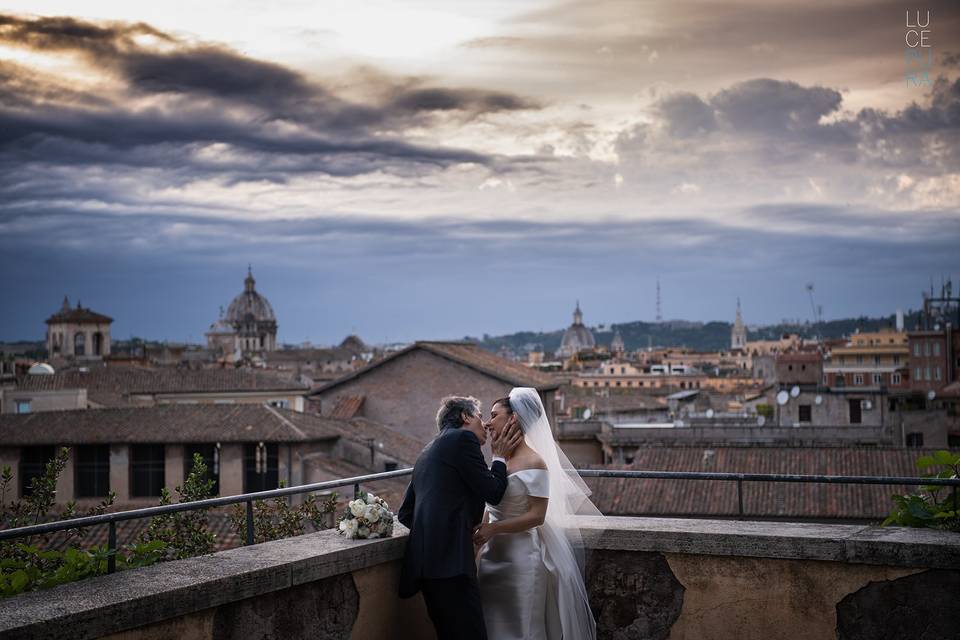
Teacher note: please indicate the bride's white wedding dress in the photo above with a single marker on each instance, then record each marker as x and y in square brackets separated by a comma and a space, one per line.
[513, 572]
[531, 582]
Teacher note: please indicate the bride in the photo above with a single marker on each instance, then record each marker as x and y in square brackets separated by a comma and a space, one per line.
[530, 563]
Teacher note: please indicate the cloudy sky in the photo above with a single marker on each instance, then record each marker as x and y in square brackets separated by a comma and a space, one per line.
[434, 169]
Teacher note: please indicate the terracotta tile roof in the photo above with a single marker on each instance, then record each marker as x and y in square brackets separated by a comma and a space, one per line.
[469, 355]
[950, 391]
[110, 385]
[624, 496]
[166, 423]
[347, 407]
[395, 444]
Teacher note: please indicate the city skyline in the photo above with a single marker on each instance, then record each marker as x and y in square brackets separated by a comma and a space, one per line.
[426, 170]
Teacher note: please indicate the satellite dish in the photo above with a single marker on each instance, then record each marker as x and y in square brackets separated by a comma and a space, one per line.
[587, 413]
[710, 413]
[761, 421]
[782, 398]
[931, 394]
[795, 391]
[818, 400]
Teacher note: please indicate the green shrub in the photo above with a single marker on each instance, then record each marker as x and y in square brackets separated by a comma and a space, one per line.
[933, 506]
[275, 519]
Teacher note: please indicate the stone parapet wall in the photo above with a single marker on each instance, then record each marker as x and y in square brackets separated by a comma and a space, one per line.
[647, 578]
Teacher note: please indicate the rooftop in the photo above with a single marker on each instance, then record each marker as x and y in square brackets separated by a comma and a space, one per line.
[167, 423]
[468, 355]
[113, 386]
[625, 496]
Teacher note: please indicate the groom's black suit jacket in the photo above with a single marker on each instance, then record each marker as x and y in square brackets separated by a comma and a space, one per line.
[443, 504]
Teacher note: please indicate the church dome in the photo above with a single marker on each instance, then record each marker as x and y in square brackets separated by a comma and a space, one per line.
[249, 306]
[577, 337]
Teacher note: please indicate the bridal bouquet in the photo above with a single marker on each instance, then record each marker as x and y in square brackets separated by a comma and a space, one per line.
[366, 517]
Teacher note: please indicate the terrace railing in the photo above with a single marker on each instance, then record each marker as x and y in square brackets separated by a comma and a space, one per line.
[112, 519]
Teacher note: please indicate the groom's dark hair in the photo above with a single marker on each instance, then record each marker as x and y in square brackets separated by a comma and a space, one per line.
[452, 408]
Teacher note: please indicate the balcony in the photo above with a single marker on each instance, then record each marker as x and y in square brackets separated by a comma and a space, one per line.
[647, 577]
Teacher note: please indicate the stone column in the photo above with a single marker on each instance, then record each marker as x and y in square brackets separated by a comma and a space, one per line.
[120, 471]
[231, 469]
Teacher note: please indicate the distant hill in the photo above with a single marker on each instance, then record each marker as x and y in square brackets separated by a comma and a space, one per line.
[701, 336]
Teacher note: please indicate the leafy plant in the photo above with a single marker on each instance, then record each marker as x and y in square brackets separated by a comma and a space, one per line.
[275, 519]
[25, 564]
[765, 410]
[184, 533]
[934, 506]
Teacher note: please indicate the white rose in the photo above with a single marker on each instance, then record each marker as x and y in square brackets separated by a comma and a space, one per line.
[343, 525]
[371, 498]
[351, 528]
[371, 513]
[374, 534]
[357, 507]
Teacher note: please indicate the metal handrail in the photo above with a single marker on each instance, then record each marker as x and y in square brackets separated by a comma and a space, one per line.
[147, 512]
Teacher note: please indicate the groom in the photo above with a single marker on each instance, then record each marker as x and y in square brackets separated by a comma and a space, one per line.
[442, 506]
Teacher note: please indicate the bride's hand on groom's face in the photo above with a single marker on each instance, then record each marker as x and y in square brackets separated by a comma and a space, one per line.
[504, 442]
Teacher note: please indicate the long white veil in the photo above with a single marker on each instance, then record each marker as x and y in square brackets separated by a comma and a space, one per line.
[568, 605]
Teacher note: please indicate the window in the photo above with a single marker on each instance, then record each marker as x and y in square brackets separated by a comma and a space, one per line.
[926, 349]
[623, 369]
[917, 374]
[896, 360]
[280, 404]
[260, 467]
[805, 413]
[838, 381]
[936, 374]
[953, 441]
[895, 378]
[877, 379]
[22, 406]
[914, 439]
[93, 470]
[855, 414]
[147, 463]
[859, 359]
[79, 341]
[916, 349]
[389, 466]
[33, 460]
[211, 457]
[936, 349]
[858, 380]
[926, 373]
[843, 360]
[876, 361]
[618, 383]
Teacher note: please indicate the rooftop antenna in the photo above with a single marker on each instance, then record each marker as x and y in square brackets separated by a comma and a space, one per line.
[659, 315]
[817, 316]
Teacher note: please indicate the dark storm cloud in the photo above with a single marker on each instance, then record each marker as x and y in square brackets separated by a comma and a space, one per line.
[767, 106]
[686, 114]
[274, 115]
